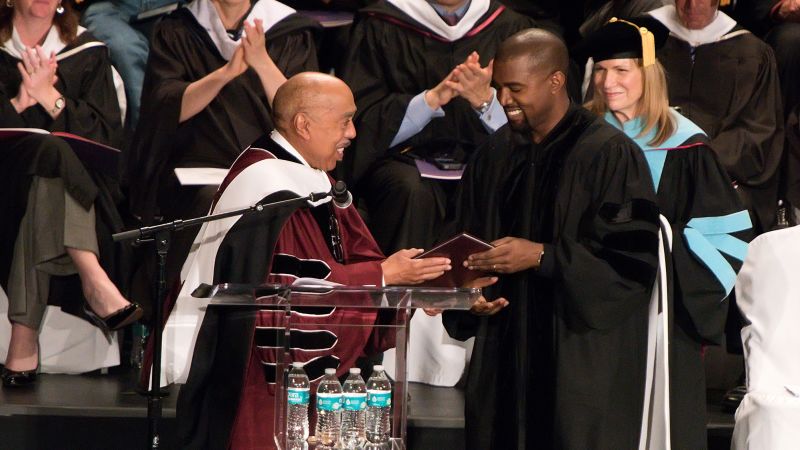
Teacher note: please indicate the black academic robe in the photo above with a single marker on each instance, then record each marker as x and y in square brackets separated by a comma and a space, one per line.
[792, 168]
[563, 366]
[181, 52]
[393, 58]
[92, 111]
[731, 91]
[229, 397]
[708, 224]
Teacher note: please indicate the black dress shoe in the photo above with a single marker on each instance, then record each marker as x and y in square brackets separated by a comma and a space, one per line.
[13, 379]
[116, 320]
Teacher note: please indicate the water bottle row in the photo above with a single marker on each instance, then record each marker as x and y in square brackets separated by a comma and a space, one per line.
[348, 417]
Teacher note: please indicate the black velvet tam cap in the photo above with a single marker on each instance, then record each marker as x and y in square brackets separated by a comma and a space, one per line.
[624, 38]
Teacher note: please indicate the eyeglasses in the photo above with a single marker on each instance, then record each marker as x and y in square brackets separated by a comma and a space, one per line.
[336, 238]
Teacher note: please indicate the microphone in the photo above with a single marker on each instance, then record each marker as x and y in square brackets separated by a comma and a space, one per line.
[341, 196]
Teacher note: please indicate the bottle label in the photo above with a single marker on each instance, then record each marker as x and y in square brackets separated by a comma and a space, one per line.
[329, 402]
[355, 401]
[299, 396]
[379, 398]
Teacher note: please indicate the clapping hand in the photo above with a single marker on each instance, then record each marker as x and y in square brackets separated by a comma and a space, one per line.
[442, 93]
[471, 81]
[38, 72]
[236, 66]
[252, 52]
[254, 44]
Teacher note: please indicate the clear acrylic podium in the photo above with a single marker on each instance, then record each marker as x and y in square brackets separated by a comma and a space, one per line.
[398, 301]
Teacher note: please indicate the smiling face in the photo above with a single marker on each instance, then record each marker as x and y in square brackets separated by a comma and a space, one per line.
[330, 129]
[525, 94]
[696, 14]
[620, 83]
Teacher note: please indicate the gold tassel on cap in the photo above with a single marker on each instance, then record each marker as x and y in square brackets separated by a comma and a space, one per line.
[724, 2]
[648, 42]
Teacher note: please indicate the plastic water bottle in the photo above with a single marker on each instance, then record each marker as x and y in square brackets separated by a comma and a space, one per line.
[379, 407]
[329, 409]
[299, 390]
[354, 410]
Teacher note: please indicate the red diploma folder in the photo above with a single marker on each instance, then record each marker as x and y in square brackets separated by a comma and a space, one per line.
[93, 155]
[457, 248]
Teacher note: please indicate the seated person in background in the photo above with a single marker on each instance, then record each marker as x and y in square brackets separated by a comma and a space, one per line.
[207, 96]
[600, 12]
[113, 22]
[403, 57]
[724, 79]
[778, 23]
[56, 213]
[567, 201]
[694, 194]
[229, 392]
[784, 38]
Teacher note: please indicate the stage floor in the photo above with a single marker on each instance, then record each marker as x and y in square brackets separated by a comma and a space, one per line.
[98, 411]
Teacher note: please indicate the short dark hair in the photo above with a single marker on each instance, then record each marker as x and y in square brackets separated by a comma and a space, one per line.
[543, 49]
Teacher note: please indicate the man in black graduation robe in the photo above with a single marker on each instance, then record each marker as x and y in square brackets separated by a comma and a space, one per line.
[725, 80]
[185, 50]
[563, 366]
[399, 50]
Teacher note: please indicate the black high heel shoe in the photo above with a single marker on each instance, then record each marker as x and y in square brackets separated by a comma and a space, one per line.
[116, 320]
[14, 379]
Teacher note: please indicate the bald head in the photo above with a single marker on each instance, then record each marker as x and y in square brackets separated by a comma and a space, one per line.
[543, 50]
[307, 92]
[314, 112]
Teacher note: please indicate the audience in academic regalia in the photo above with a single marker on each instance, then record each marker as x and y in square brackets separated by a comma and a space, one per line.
[403, 64]
[114, 23]
[56, 213]
[778, 23]
[207, 95]
[403, 54]
[420, 73]
[725, 80]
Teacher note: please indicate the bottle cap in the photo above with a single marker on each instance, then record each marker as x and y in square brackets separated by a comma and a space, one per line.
[330, 371]
[297, 365]
[355, 370]
[377, 368]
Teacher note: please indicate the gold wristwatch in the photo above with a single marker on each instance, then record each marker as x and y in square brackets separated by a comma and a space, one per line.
[60, 103]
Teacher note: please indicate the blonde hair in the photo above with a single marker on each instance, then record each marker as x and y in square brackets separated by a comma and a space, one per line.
[653, 106]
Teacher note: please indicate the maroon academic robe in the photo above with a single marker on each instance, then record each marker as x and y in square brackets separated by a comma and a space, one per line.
[228, 399]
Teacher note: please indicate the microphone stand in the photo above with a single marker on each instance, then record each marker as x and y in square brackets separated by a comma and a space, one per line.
[162, 234]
